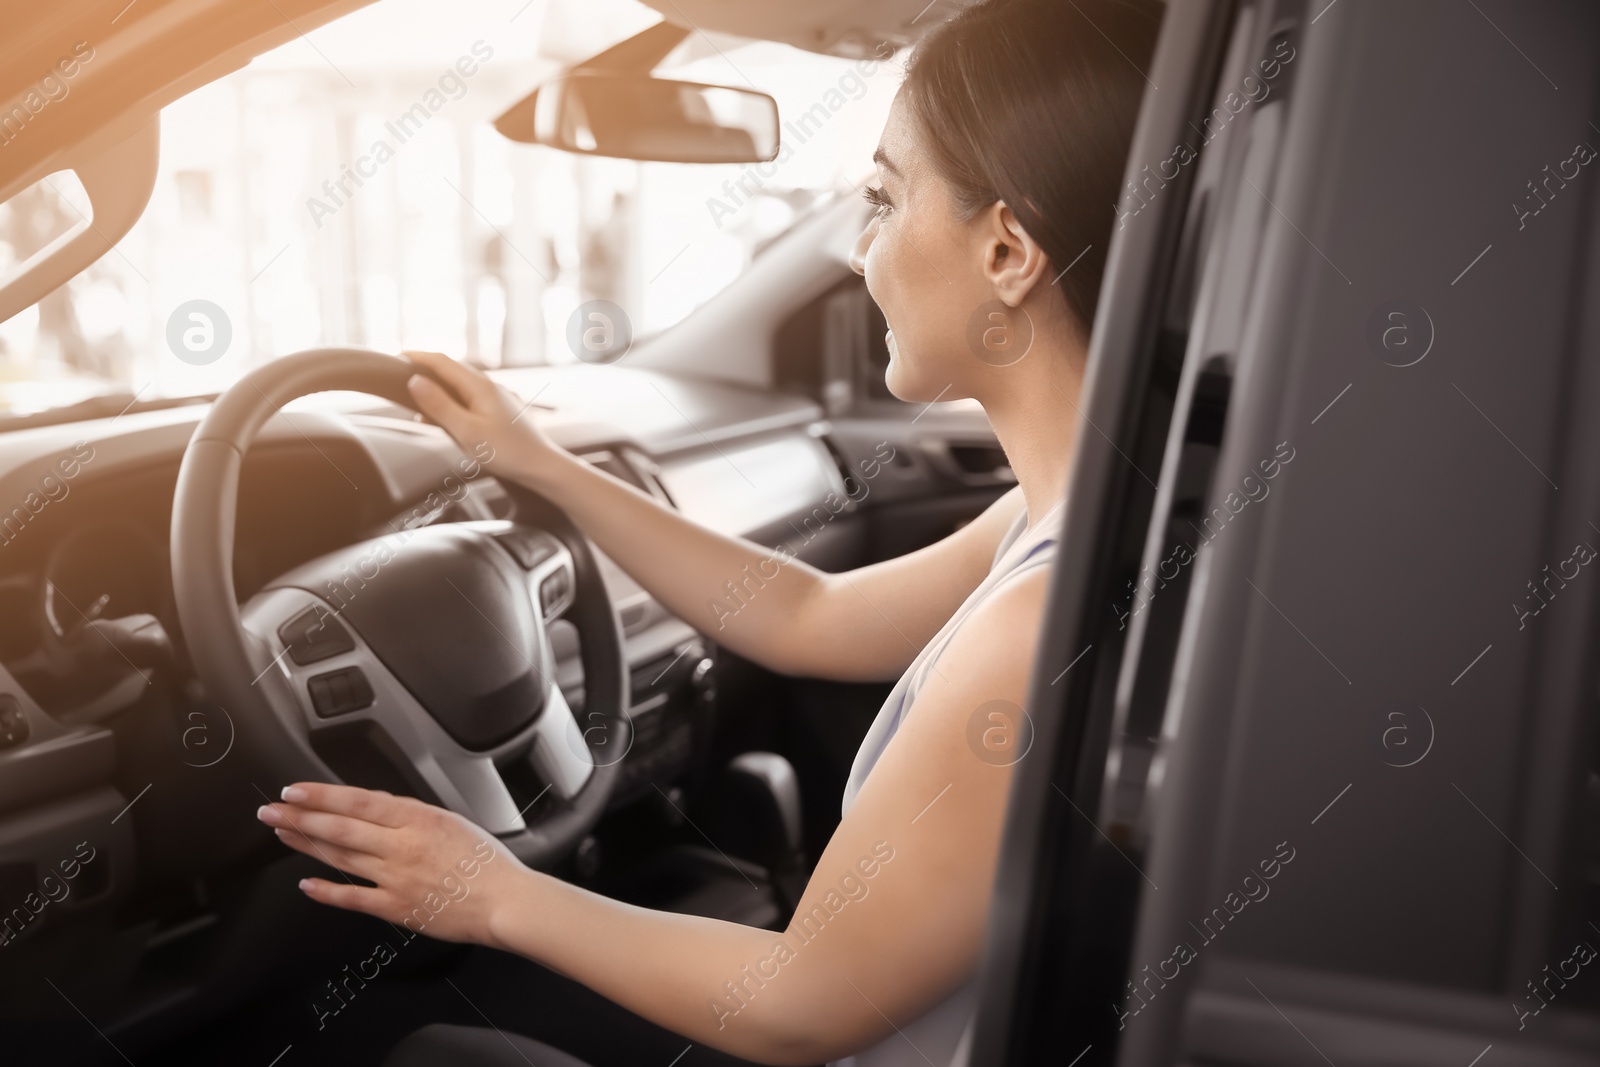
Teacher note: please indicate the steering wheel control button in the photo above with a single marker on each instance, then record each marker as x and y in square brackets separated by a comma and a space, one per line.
[528, 547]
[13, 724]
[555, 591]
[315, 635]
[340, 692]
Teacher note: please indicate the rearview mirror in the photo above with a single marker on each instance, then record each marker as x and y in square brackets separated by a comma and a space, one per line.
[632, 116]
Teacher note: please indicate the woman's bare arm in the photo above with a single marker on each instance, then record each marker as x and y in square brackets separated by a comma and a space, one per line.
[890, 924]
[861, 625]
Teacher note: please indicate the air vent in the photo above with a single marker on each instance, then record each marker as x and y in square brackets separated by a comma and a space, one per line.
[852, 487]
[615, 466]
[979, 459]
[631, 466]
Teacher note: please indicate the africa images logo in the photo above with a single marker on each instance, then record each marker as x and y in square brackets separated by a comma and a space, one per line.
[599, 331]
[999, 334]
[199, 332]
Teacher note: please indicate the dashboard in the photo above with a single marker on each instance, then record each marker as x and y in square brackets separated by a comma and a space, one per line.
[95, 545]
[87, 617]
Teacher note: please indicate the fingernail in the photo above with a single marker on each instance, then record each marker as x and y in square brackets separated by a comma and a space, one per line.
[305, 885]
[269, 815]
[293, 794]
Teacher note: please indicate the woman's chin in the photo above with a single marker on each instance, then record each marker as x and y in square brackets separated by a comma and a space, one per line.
[906, 385]
[894, 377]
[907, 382]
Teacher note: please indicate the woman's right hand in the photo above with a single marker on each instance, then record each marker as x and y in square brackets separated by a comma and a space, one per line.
[484, 414]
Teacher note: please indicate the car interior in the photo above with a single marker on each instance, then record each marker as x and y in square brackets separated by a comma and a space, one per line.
[221, 219]
[176, 938]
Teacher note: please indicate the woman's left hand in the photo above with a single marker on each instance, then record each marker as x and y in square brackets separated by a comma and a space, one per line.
[435, 872]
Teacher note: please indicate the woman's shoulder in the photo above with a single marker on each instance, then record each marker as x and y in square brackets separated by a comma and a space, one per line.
[989, 658]
[994, 644]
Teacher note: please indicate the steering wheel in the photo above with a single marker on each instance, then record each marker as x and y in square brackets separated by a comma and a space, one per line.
[418, 661]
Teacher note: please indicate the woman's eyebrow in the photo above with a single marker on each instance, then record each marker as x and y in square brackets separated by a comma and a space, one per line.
[881, 158]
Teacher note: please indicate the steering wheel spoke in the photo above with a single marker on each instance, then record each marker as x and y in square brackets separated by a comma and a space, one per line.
[560, 753]
[472, 786]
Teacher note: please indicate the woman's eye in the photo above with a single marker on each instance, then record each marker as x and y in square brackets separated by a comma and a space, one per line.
[878, 199]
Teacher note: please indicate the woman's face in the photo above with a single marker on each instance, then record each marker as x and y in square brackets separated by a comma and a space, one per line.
[925, 268]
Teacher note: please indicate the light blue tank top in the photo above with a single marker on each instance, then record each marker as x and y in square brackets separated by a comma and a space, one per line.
[937, 1035]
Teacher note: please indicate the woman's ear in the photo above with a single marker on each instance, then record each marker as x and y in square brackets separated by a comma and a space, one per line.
[1013, 261]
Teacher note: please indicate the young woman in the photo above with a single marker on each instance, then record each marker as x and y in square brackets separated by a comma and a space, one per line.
[998, 174]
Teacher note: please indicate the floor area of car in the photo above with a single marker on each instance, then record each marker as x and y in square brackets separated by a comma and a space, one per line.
[338, 1020]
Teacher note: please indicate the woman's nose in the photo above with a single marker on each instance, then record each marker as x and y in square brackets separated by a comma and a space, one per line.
[858, 254]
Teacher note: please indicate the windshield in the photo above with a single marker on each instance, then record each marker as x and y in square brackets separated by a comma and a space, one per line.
[348, 188]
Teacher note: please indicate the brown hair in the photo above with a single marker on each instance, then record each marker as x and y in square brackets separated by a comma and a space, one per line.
[1033, 102]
